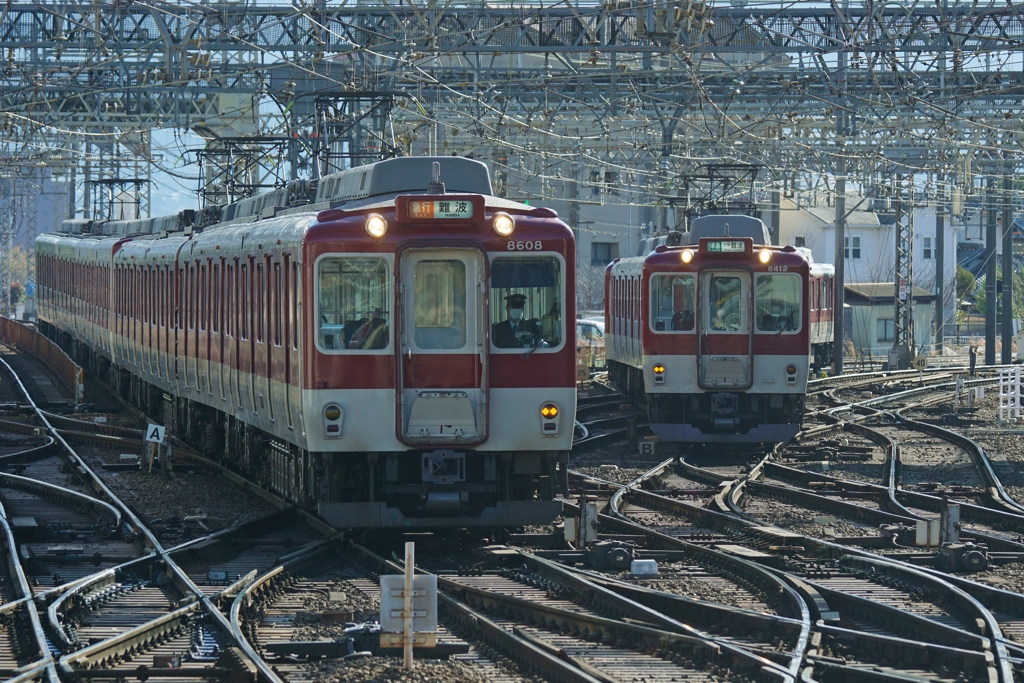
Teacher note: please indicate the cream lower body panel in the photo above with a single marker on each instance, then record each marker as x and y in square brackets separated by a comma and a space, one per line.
[769, 372]
[369, 420]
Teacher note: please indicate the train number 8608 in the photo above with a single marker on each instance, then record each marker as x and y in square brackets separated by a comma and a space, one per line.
[528, 245]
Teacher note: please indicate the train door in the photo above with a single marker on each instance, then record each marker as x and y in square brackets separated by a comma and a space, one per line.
[442, 367]
[725, 330]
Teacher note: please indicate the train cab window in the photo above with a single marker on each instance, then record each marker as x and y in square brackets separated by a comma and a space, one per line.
[725, 308]
[526, 309]
[777, 303]
[440, 304]
[673, 302]
[354, 304]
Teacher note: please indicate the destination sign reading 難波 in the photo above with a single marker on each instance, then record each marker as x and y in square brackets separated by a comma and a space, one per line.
[726, 246]
[440, 208]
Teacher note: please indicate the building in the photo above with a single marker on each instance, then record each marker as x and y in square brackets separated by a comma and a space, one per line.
[870, 245]
[871, 320]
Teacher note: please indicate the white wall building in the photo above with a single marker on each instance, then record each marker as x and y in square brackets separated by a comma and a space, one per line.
[870, 250]
[871, 319]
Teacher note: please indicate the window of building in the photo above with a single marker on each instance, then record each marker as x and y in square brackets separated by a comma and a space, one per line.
[354, 304]
[777, 303]
[673, 303]
[603, 253]
[852, 247]
[886, 329]
[799, 241]
[927, 247]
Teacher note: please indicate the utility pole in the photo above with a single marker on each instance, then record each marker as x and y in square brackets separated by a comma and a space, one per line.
[1006, 356]
[903, 347]
[940, 273]
[990, 274]
[840, 264]
[844, 127]
[774, 216]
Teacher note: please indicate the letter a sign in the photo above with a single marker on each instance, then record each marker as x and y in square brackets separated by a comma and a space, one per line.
[155, 433]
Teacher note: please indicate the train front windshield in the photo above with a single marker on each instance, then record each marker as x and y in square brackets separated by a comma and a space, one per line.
[354, 305]
[777, 303]
[526, 309]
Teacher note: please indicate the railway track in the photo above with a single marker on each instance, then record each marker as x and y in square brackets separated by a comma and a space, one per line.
[736, 598]
[881, 615]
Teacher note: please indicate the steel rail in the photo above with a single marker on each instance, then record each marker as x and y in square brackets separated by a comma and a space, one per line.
[45, 665]
[211, 609]
[644, 622]
[510, 643]
[934, 578]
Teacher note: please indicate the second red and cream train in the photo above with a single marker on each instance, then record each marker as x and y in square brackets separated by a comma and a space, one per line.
[717, 336]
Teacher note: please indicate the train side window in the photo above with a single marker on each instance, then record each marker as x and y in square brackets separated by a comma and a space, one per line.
[673, 303]
[278, 303]
[777, 303]
[245, 289]
[353, 304]
[261, 288]
[229, 295]
[535, 282]
[216, 295]
[293, 319]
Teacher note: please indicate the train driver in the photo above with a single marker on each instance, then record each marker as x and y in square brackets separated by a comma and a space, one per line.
[775, 320]
[515, 332]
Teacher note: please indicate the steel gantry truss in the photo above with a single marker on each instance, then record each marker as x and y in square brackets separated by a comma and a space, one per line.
[548, 93]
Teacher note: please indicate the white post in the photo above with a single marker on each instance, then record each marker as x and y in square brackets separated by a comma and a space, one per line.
[410, 561]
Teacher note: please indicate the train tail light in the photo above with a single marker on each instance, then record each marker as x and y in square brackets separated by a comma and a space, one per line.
[659, 373]
[334, 418]
[549, 419]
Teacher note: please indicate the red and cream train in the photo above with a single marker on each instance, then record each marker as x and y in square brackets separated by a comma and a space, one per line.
[717, 336]
[341, 348]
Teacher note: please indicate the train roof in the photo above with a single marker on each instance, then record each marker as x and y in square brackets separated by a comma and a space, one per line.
[404, 175]
[727, 226]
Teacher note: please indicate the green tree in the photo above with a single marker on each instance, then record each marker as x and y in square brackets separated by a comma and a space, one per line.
[964, 282]
[981, 296]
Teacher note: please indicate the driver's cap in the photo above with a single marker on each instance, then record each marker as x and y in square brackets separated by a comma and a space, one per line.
[515, 300]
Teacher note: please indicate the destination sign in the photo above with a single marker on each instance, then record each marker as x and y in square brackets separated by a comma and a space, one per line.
[440, 208]
[726, 246]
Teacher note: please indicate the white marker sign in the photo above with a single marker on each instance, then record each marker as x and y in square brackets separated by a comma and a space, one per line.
[155, 433]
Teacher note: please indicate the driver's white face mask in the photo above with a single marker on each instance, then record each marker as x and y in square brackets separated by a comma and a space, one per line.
[515, 314]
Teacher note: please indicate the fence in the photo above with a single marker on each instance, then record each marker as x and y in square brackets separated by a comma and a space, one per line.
[31, 341]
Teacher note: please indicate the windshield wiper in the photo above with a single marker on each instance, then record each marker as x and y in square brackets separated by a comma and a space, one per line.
[540, 340]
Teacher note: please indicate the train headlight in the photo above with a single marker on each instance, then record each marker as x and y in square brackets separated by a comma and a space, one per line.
[659, 373]
[764, 256]
[549, 411]
[686, 256]
[376, 226]
[503, 224]
[790, 369]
